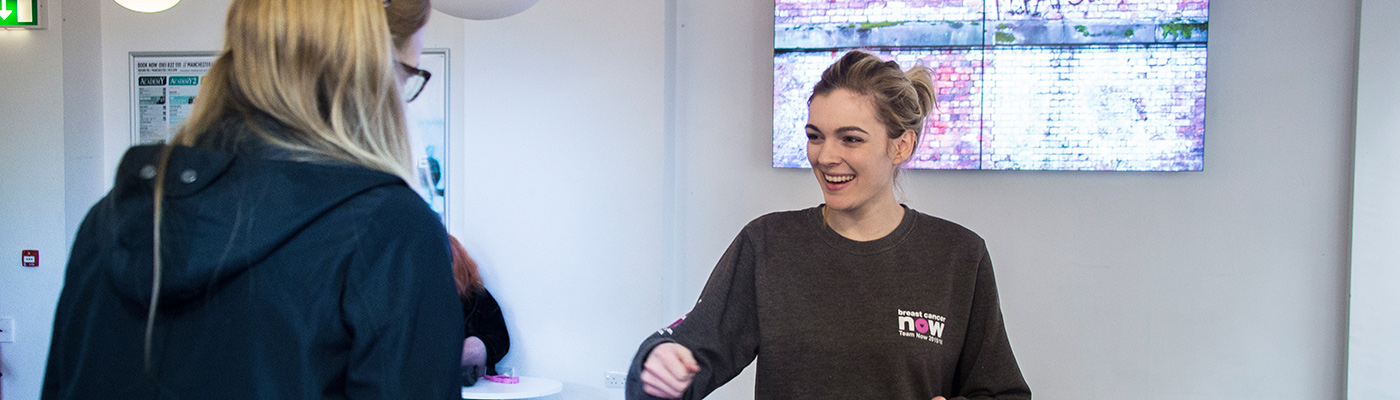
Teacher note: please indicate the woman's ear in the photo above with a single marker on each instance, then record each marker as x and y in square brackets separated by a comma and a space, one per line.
[904, 146]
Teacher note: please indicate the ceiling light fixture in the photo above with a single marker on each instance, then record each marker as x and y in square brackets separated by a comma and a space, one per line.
[148, 6]
[481, 10]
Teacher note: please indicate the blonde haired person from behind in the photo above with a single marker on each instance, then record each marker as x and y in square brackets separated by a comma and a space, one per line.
[858, 298]
[273, 250]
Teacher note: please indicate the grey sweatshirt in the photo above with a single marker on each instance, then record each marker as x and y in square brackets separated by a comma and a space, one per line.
[912, 315]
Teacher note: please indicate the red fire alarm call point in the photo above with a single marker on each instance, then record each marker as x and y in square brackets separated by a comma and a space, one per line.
[30, 258]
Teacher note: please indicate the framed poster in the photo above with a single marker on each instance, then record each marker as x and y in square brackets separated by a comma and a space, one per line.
[163, 89]
[427, 118]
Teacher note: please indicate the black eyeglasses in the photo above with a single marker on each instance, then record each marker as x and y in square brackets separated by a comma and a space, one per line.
[415, 82]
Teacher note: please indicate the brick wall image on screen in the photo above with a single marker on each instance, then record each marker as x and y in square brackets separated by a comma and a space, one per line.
[1046, 85]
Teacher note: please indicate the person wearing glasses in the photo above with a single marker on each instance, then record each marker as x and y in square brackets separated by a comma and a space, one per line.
[406, 21]
[274, 249]
[860, 297]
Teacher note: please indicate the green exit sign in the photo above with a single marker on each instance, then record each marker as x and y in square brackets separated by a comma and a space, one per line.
[20, 14]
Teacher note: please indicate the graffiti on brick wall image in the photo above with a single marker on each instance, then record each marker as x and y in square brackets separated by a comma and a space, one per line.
[1024, 84]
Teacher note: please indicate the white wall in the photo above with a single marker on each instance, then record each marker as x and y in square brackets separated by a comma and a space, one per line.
[1223, 284]
[1374, 363]
[83, 142]
[561, 186]
[31, 197]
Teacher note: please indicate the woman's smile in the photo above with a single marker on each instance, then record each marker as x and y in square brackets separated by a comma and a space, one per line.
[836, 182]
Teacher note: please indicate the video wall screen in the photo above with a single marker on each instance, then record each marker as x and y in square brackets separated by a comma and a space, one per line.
[1093, 85]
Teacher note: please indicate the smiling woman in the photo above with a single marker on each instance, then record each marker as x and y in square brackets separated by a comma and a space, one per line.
[864, 119]
[855, 162]
[861, 264]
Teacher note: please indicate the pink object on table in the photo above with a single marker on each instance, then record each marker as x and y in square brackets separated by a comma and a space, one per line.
[503, 379]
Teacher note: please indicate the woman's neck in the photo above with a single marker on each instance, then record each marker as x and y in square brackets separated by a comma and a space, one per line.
[864, 224]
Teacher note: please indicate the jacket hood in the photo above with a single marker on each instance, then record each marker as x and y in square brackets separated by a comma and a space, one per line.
[222, 213]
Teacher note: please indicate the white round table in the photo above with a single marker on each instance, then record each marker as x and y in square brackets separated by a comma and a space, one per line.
[528, 387]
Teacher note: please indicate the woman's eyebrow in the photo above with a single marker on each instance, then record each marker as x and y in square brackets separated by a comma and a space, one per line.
[846, 129]
[843, 129]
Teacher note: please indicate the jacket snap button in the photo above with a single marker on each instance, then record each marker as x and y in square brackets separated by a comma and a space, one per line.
[188, 176]
[148, 172]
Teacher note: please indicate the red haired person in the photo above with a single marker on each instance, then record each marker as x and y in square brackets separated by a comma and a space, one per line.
[487, 340]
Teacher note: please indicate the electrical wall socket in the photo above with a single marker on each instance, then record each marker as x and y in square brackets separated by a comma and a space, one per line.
[615, 379]
[7, 330]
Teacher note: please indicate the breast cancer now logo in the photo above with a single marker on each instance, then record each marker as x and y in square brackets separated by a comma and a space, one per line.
[922, 325]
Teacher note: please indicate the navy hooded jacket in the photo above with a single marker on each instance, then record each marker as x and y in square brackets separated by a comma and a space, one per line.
[281, 280]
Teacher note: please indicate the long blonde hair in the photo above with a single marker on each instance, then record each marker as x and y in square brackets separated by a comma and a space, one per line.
[323, 69]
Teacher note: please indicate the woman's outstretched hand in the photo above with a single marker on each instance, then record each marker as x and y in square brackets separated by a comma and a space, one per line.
[668, 370]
